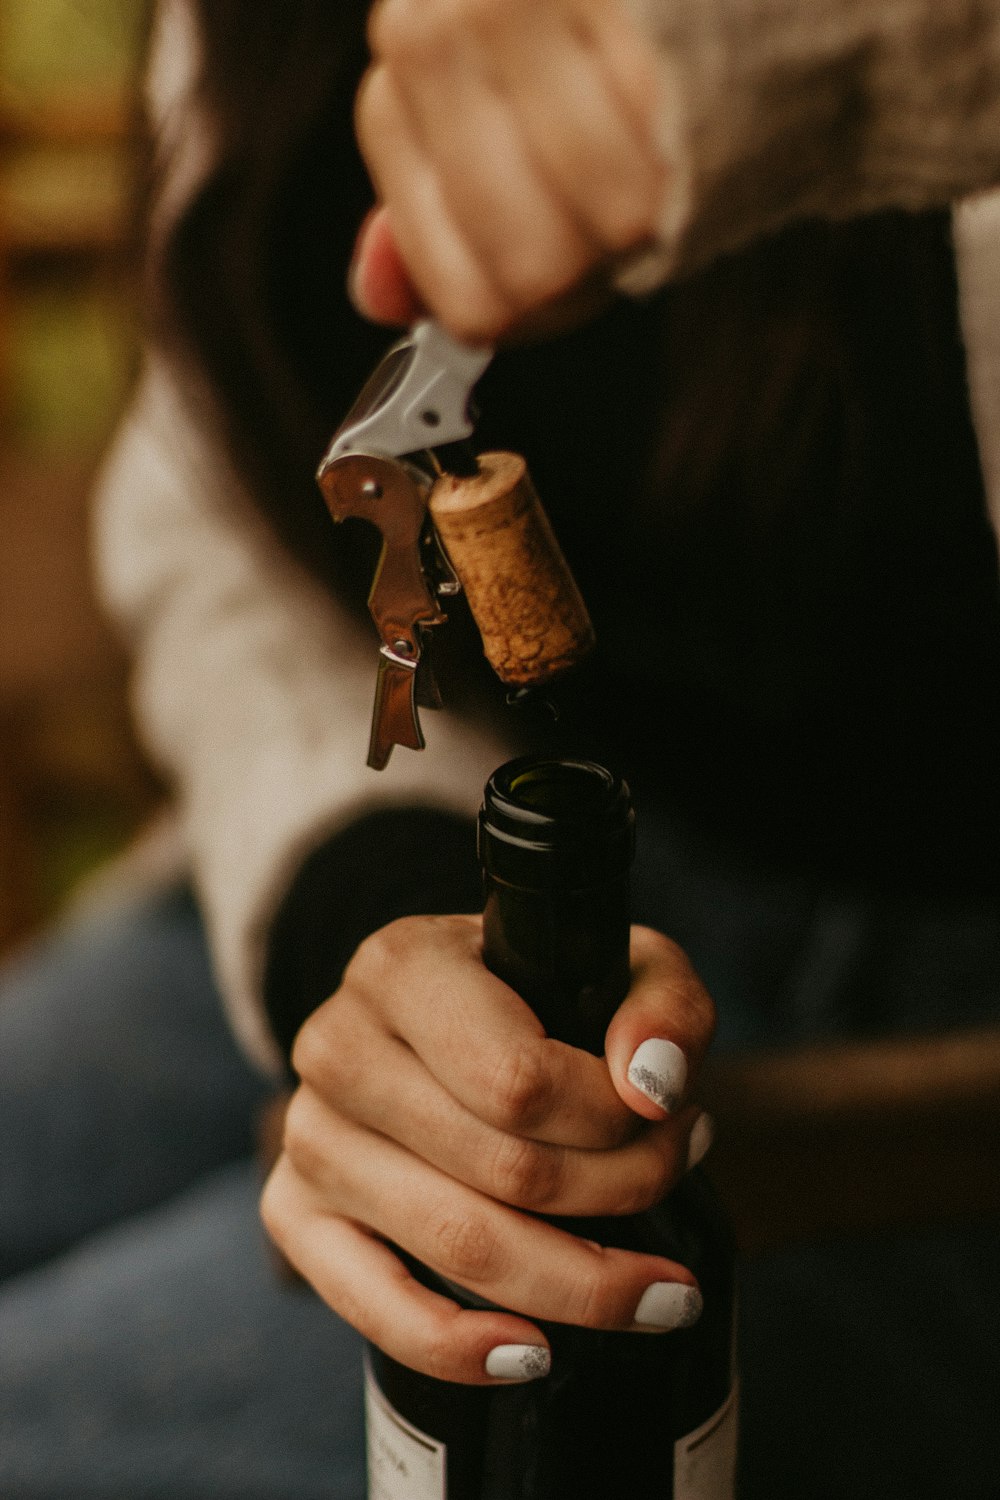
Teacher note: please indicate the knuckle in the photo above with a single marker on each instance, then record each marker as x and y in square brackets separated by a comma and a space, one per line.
[465, 1247]
[322, 1053]
[379, 956]
[299, 1141]
[524, 1174]
[309, 1051]
[271, 1209]
[439, 1350]
[521, 1089]
[594, 1299]
[528, 278]
[369, 958]
[628, 220]
[343, 1073]
[276, 1209]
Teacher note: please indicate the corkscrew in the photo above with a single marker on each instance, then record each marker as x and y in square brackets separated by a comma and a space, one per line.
[450, 520]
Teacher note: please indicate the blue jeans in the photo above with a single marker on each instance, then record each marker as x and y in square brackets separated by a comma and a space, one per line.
[148, 1352]
[146, 1347]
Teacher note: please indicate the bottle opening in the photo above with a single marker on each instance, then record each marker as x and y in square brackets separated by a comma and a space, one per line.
[563, 789]
[566, 810]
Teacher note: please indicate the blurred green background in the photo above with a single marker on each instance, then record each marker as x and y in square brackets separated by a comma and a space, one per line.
[72, 156]
[54, 44]
[68, 108]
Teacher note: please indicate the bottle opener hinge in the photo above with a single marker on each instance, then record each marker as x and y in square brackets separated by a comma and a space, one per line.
[409, 424]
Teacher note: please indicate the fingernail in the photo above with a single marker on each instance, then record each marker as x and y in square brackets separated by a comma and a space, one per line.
[659, 1070]
[518, 1362]
[669, 1304]
[700, 1139]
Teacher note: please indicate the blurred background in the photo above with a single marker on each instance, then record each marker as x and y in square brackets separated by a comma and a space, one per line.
[72, 785]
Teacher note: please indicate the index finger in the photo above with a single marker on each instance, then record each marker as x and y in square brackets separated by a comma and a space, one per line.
[480, 1040]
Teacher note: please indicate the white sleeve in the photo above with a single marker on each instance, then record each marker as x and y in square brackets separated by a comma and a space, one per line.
[253, 688]
[776, 110]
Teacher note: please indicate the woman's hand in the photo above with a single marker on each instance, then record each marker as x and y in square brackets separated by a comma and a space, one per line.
[432, 1110]
[512, 145]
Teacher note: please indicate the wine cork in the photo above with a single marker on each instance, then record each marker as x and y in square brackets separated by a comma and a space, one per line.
[522, 595]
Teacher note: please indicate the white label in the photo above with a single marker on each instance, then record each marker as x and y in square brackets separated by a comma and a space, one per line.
[403, 1462]
[705, 1460]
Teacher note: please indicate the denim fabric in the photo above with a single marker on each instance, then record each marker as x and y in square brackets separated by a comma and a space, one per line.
[147, 1348]
[119, 1081]
[163, 1358]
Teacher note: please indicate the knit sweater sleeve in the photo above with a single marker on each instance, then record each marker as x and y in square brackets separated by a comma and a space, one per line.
[775, 110]
[253, 691]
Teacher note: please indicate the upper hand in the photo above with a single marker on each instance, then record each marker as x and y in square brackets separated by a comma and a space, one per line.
[513, 148]
[432, 1110]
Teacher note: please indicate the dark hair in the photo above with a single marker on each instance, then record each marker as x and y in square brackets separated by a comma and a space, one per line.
[252, 281]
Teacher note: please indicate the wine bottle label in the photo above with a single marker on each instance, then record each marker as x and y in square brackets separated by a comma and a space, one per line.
[403, 1462]
[705, 1459]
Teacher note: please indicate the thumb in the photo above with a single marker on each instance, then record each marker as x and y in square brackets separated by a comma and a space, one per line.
[661, 1031]
[378, 282]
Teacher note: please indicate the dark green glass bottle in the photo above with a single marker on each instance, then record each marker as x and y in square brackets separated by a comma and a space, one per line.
[620, 1414]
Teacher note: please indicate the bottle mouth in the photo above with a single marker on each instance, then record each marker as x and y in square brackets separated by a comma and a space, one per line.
[560, 811]
[534, 792]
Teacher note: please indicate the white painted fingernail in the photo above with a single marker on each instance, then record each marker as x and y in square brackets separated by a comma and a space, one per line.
[659, 1070]
[669, 1304]
[518, 1362]
[700, 1139]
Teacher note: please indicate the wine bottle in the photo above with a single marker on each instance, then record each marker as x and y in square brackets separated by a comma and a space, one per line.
[621, 1413]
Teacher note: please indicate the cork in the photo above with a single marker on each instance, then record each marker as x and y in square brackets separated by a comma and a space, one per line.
[522, 595]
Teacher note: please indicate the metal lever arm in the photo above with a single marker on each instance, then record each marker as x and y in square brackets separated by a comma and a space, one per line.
[394, 715]
[387, 493]
[384, 492]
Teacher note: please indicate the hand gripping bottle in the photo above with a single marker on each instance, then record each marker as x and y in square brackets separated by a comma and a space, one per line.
[621, 1415]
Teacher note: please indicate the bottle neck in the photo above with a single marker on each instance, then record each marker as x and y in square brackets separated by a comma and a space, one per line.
[556, 840]
[564, 952]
